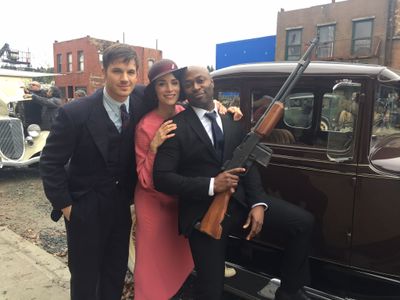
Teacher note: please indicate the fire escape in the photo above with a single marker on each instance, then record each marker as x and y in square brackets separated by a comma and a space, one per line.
[13, 59]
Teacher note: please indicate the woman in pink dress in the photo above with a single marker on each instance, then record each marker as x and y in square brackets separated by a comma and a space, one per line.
[163, 257]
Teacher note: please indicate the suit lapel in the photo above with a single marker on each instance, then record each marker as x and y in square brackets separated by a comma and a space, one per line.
[97, 126]
[198, 128]
[227, 128]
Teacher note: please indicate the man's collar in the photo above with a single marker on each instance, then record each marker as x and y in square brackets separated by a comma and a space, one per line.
[201, 111]
[113, 102]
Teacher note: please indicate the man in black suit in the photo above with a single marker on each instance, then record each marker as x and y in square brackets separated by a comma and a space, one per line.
[189, 165]
[89, 173]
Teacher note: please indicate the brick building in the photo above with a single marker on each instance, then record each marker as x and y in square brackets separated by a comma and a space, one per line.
[365, 31]
[80, 62]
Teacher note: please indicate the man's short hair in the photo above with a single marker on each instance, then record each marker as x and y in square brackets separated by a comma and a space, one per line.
[117, 52]
[55, 92]
[80, 93]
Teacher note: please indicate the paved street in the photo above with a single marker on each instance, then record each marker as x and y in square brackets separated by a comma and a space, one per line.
[28, 272]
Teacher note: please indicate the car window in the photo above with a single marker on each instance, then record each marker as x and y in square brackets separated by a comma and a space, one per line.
[342, 114]
[313, 116]
[299, 110]
[229, 98]
[386, 115]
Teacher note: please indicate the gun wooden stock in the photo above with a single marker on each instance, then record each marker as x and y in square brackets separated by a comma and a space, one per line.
[211, 222]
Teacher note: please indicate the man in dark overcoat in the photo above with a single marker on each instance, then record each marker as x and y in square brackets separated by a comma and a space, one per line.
[89, 173]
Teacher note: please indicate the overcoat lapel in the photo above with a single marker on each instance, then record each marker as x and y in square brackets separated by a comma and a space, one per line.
[135, 109]
[97, 126]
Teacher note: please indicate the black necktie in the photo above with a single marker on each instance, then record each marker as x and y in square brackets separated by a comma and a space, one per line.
[124, 117]
[218, 136]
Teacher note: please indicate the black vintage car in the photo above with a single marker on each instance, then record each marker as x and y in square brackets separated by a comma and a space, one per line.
[336, 153]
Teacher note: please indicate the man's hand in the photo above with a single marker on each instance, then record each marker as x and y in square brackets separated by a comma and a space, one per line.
[67, 212]
[256, 219]
[227, 180]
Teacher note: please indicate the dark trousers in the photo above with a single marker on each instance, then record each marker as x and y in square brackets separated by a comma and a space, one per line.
[295, 225]
[98, 246]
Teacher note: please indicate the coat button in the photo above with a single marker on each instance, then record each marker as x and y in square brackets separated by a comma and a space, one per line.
[116, 182]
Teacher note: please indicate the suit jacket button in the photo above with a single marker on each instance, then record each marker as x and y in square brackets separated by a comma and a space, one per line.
[116, 182]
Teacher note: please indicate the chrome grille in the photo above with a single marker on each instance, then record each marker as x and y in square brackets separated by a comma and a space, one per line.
[11, 138]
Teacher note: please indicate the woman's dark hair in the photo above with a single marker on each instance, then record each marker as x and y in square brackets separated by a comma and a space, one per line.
[150, 96]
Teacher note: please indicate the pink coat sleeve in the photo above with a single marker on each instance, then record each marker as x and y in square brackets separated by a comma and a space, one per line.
[144, 157]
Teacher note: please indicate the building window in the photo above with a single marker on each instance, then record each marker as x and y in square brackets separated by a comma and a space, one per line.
[69, 62]
[59, 60]
[293, 44]
[100, 53]
[362, 37]
[150, 63]
[326, 41]
[80, 61]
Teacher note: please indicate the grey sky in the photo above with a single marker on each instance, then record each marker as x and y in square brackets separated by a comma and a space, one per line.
[186, 31]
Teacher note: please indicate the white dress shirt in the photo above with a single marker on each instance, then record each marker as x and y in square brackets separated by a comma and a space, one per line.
[113, 109]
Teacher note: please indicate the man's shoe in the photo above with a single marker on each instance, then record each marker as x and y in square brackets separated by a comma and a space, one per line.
[299, 295]
[229, 272]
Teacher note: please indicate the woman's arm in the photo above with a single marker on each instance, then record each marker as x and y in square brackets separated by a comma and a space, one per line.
[146, 146]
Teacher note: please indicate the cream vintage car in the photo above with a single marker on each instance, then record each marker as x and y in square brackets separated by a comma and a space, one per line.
[21, 139]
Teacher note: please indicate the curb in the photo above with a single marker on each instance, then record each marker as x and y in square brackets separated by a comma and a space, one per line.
[29, 272]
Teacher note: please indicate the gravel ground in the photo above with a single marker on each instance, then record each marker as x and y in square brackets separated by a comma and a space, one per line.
[25, 210]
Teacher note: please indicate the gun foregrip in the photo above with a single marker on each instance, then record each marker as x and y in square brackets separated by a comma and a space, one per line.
[271, 119]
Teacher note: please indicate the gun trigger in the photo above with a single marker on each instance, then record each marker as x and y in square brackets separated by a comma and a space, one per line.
[223, 168]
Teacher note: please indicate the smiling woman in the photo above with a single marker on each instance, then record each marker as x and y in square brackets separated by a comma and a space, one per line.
[158, 276]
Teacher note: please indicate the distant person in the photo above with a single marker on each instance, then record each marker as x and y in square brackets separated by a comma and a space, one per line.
[348, 114]
[50, 105]
[34, 87]
[79, 94]
[33, 110]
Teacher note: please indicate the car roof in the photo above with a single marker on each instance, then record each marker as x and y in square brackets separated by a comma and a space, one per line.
[315, 67]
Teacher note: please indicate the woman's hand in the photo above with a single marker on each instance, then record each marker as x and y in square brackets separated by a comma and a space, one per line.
[222, 110]
[237, 113]
[162, 134]
[220, 107]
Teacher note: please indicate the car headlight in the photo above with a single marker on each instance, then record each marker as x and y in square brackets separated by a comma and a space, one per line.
[29, 140]
[34, 130]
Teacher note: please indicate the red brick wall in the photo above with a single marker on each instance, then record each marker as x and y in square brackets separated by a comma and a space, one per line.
[342, 14]
[91, 77]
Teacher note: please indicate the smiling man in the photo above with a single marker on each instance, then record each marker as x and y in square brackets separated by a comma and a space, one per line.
[88, 171]
[190, 165]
